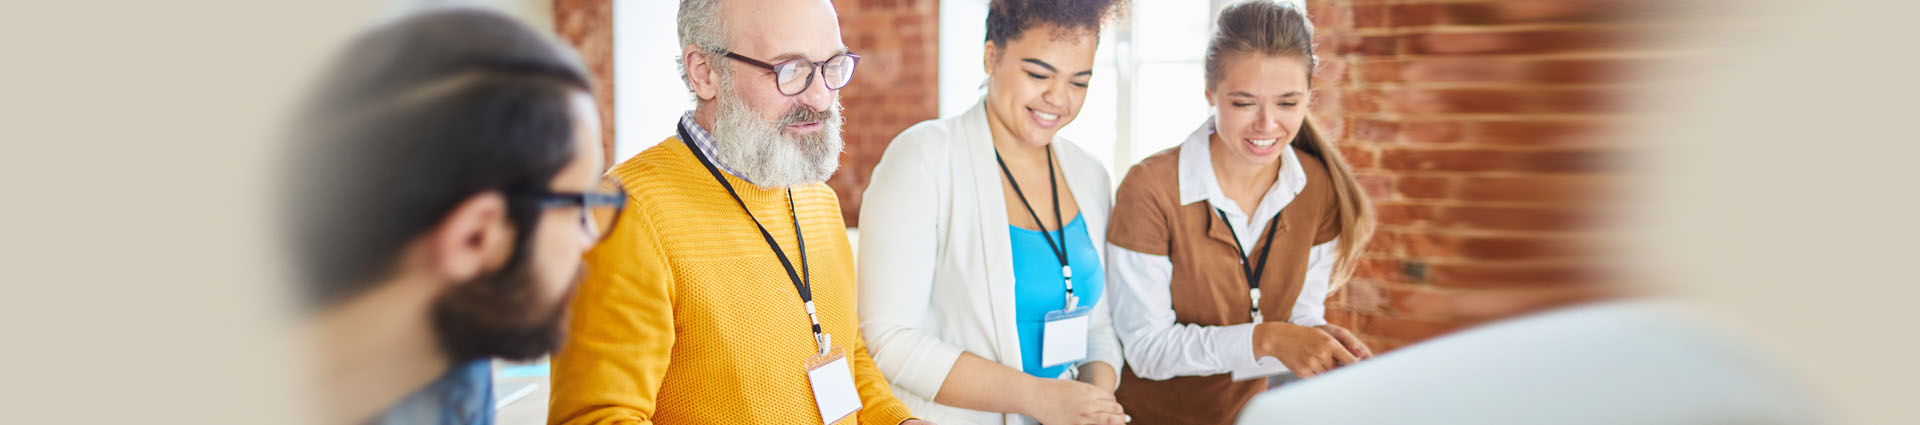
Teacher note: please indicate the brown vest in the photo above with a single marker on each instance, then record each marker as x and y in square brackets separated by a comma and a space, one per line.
[1208, 286]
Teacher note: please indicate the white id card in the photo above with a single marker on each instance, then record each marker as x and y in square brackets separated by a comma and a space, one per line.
[1064, 339]
[833, 390]
[1267, 366]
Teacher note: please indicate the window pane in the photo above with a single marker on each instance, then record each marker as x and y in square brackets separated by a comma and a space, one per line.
[1169, 102]
[1097, 124]
[1170, 30]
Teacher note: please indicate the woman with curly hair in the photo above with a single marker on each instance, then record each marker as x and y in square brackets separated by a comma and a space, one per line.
[982, 292]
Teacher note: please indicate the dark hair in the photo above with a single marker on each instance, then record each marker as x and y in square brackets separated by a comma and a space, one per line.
[416, 117]
[1010, 19]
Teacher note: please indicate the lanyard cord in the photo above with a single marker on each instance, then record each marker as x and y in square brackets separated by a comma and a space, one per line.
[803, 279]
[1059, 251]
[1252, 272]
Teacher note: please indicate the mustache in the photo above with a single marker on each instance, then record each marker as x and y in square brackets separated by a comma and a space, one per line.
[801, 114]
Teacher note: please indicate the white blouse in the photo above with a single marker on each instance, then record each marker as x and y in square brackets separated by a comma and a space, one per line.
[1143, 315]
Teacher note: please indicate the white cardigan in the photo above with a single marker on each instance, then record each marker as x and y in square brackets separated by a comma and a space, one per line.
[936, 266]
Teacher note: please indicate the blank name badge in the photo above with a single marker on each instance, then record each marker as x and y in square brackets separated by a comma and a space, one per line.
[833, 390]
[1064, 339]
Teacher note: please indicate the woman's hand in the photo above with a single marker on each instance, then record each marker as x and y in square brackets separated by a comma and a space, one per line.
[1064, 402]
[1353, 344]
[1306, 351]
[1099, 374]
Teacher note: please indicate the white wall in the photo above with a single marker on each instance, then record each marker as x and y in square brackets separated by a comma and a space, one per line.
[963, 34]
[648, 95]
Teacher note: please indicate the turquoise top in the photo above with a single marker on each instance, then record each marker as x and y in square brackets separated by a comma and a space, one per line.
[1038, 288]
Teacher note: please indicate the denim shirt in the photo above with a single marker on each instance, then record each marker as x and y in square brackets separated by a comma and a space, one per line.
[463, 396]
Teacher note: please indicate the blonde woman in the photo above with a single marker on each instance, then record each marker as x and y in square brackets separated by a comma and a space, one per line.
[981, 279]
[1221, 251]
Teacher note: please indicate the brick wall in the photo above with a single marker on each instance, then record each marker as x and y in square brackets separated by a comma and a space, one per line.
[587, 25]
[1479, 129]
[895, 86]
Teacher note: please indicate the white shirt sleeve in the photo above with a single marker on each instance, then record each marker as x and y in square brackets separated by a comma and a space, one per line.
[1158, 348]
[1151, 342]
[899, 244]
[1310, 309]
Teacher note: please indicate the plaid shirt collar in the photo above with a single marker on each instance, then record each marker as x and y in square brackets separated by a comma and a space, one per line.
[704, 140]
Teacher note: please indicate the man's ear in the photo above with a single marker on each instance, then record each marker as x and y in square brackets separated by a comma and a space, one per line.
[474, 238]
[701, 74]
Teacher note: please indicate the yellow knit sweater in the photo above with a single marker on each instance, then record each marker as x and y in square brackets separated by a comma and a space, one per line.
[686, 317]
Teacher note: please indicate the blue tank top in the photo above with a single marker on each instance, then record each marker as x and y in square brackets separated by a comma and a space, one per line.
[1038, 288]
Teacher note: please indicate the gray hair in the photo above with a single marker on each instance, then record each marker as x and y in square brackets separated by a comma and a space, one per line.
[701, 27]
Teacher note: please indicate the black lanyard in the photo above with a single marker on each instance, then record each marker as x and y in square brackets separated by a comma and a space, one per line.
[1252, 272]
[1059, 251]
[803, 279]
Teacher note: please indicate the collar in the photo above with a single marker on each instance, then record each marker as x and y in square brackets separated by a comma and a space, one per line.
[1197, 181]
[704, 140]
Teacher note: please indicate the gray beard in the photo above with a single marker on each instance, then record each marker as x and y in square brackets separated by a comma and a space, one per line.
[758, 152]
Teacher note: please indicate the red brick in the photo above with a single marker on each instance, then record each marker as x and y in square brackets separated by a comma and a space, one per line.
[1511, 275]
[1405, 328]
[1502, 70]
[1329, 17]
[1377, 46]
[587, 26]
[1525, 248]
[1326, 101]
[1415, 15]
[1513, 42]
[1518, 218]
[1332, 127]
[1362, 101]
[1419, 187]
[1492, 160]
[1414, 244]
[1431, 132]
[1585, 190]
[1547, 12]
[1505, 101]
[1358, 157]
[1370, 16]
[1377, 186]
[1376, 269]
[1379, 71]
[1404, 298]
[1396, 214]
[1371, 130]
[1536, 133]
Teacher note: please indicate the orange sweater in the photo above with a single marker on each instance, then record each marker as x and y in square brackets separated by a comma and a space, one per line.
[686, 317]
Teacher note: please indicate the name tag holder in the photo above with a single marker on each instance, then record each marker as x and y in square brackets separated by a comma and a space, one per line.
[834, 394]
[1063, 340]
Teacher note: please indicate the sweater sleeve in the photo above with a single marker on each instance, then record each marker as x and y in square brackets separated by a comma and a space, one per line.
[620, 333]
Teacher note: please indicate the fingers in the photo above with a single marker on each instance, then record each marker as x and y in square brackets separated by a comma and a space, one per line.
[1342, 357]
[1108, 413]
[1360, 349]
[1308, 371]
[1352, 343]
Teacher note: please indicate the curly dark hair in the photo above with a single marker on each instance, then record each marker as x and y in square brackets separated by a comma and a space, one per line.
[1010, 19]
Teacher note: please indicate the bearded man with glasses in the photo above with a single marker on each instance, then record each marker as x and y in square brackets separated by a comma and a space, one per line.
[727, 294]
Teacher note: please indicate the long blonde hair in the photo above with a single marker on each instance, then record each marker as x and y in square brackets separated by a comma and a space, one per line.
[1281, 28]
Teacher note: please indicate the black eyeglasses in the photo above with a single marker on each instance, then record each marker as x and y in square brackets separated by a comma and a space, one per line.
[599, 208]
[794, 76]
